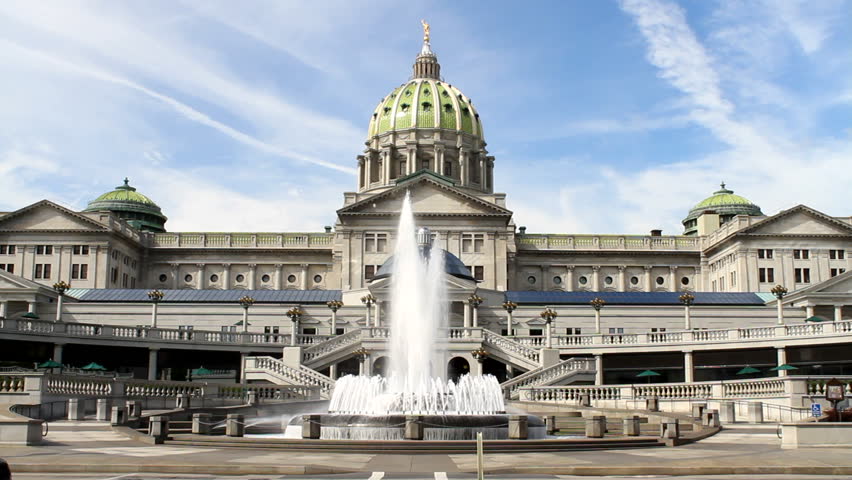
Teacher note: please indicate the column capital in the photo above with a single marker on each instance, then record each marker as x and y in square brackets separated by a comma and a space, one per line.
[673, 268]
[622, 268]
[200, 265]
[278, 267]
[305, 266]
[596, 268]
[647, 268]
[570, 268]
[226, 265]
[252, 266]
[174, 266]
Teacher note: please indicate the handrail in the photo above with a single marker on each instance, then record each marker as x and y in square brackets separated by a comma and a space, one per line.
[539, 376]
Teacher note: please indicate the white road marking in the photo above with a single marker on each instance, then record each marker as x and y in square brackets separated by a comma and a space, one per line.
[377, 476]
[440, 475]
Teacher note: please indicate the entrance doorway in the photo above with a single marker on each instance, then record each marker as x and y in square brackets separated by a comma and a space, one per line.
[457, 367]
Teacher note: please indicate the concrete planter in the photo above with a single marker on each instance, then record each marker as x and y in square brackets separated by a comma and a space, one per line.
[816, 434]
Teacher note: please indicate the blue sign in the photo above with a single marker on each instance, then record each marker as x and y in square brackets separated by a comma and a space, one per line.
[816, 410]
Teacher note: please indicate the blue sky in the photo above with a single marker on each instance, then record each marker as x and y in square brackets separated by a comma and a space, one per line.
[604, 116]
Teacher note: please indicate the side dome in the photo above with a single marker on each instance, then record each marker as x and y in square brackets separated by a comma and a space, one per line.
[425, 103]
[136, 209]
[452, 266]
[723, 202]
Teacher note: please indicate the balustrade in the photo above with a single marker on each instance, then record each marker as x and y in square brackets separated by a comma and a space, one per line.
[510, 346]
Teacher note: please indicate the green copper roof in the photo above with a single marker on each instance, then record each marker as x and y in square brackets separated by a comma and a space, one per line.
[723, 197]
[138, 210]
[725, 203]
[425, 103]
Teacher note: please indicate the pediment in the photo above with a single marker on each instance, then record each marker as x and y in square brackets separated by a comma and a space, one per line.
[428, 198]
[10, 281]
[800, 220]
[46, 215]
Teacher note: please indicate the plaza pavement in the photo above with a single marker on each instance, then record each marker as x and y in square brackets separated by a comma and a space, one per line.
[92, 448]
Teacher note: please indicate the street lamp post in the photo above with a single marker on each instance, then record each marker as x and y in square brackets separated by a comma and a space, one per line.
[475, 301]
[246, 302]
[334, 305]
[548, 314]
[156, 296]
[368, 300]
[687, 299]
[480, 355]
[60, 288]
[362, 354]
[295, 314]
[779, 291]
[509, 307]
[597, 304]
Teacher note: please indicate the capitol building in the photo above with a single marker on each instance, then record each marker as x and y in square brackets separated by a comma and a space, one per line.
[320, 298]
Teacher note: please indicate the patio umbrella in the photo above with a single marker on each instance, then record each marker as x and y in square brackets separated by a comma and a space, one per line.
[201, 371]
[649, 374]
[784, 367]
[94, 366]
[748, 370]
[816, 319]
[50, 364]
[30, 315]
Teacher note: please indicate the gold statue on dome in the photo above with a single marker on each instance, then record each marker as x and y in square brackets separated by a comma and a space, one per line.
[425, 31]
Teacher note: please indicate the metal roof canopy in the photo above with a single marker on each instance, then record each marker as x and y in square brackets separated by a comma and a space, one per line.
[209, 296]
[632, 298]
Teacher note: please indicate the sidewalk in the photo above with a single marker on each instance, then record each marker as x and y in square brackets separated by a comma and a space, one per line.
[742, 449]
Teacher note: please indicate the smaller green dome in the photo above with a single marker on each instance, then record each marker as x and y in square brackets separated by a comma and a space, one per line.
[138, 210]
[723, 202]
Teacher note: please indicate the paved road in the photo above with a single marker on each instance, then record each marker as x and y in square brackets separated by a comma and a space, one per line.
[409, 476]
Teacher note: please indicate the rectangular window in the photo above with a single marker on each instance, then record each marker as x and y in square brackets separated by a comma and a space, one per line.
[80, 250]
[801, 254]
[473, 242]
[832, 254]
[479, 273]
[44, 249]
[536, 332]
[114, 275]
[339, 331]
[834, 271]
[9, 267]
[309, 331]
[125, 280]
[616, 331]
[803, 275]
[733, 279]
[375, 242]
[7, 249]
[714, 285]
[767, 275]
[573, 331]
[721, 284]
[75, 271]
[764, 253]
[658, 330]
[38, 270]
[84, 271]
[448, 168]
[504, 332]
[132, 282]
[47, 268]
[369, 272]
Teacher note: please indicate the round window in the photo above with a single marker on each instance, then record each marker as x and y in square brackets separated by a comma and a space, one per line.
[634, 280]
[531, 280]
[291, 278]
[163, 277]
[661, 280]
[583, 280]
[317, 278]
[608, 280]
[684, 280]
[264, 279]
[187, 278]
[557, 280]
[240, 278]
[214, 278]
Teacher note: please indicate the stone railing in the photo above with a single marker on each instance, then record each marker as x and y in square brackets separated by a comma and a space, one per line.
[76, 386]
[289, 375]
[607, 242]
[11, 384]
[549, 375]
[569, 393]
[332, 345]
[270, 392]
[240, 240]
[525, 354]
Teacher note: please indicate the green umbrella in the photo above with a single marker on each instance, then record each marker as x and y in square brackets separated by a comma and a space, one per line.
[748, 370]
[649, 374]
[94, 366]
[50, 364]
[816, 319]
[30, 315]
[201, 371]
[784, 367]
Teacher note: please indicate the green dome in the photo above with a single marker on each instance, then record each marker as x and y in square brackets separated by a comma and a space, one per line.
[723, 202]
[425, 103]
[138, 210]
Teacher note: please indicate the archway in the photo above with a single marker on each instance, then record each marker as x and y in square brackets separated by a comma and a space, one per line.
[457, 367]
[380, 366]
[350, 366]
[494, 367]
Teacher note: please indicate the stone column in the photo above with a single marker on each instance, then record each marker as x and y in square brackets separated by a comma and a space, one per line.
[332, 371]
[226, 276]
[838, 313]
[809, 311]
[688, 367]
[672, 279]
[378, 319]
[475, 316]
[463, 166]
[687, 320]
[199, 274]
[333, 322]
[294, 331]
[621, 279]
[569, 279]
[57, 352]
[154, 314]
[59, 307]
[304, 278]
[367, 309]
[152, 363]
[597, 321]
[648, 285]
[32, 307]
[4, 308]
[782, 359]
[175, 273]
[439, 158]
[508, 323]
[466, 314]
[252, 276]
[599, 374]
[277, 279]
[596, 286]
[549, 337]
[368, 172]
[483, 181]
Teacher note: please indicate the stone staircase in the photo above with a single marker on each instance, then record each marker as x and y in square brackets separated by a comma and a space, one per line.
[275, 371]
[510, 351]
[564, 372]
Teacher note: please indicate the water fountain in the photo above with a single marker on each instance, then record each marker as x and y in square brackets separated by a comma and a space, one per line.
[375, 408]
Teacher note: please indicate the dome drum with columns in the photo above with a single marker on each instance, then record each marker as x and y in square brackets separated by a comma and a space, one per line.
[425, 124]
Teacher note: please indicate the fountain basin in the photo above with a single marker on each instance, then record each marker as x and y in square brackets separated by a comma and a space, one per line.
[435, 427]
